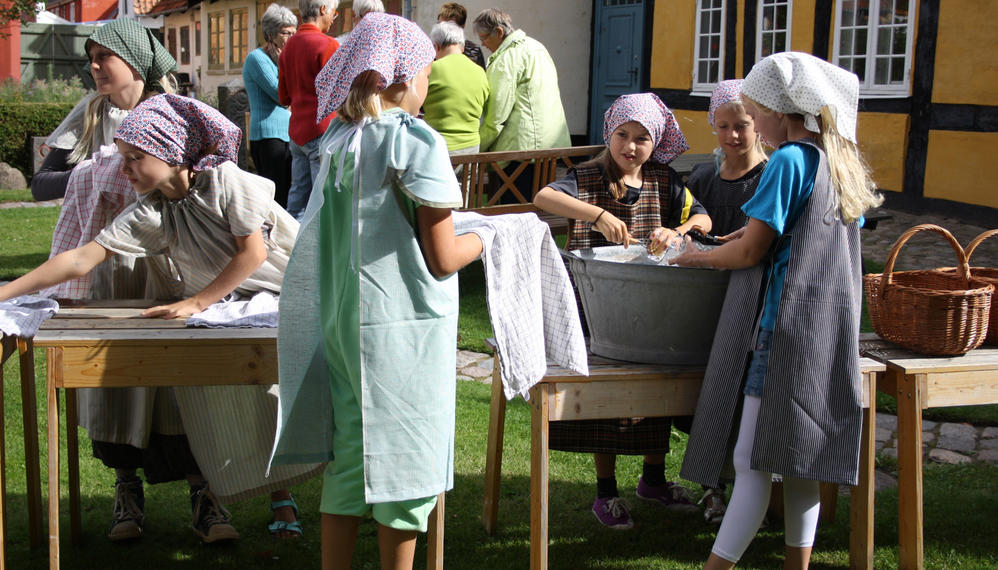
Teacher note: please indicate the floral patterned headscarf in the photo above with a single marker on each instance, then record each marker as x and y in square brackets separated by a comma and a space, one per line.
[725, 92]
[655, 117]
[181, 130]
[390, 45]
[800, 83]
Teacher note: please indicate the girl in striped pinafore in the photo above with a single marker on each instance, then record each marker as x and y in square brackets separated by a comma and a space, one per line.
[793, 305]
[628, 190]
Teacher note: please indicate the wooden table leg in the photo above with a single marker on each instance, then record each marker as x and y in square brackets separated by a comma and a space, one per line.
[493, 454]
[909, 442]
[861, 497]
[29, 419]
[3, 462]
[435, 536]
[54, 365]
[539, 477]
[73, 467]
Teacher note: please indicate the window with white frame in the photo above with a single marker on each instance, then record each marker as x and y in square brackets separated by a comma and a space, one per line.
[709, 55]
[773, 27]
[873, 39]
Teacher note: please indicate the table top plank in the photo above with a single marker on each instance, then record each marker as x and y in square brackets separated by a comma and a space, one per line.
[131, 336]
[984, 358]
[100, 323]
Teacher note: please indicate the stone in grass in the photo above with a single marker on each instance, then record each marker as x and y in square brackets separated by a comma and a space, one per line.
[957, 442]
[957, 430]
[988, 443]
[989, 455]
[928, 425]
[928, 436]
[888, 421]
[883, 434]
[948, 457]
[11, 178]
[990, 433]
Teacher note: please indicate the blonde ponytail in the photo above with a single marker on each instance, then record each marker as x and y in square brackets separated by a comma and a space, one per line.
[855, 189]
[363, 99]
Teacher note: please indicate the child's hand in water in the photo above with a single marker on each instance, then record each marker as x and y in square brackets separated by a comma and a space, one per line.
[178, 310]
[662, 239]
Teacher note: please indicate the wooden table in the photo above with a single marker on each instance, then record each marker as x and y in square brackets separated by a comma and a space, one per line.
[616, 389]
[29, 416]
[919, 382]
[109, 345]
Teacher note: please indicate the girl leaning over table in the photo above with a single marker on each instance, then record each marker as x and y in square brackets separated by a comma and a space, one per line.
[224, 233]
[628, 190]
[369, 317]
[793, 304]
[130, 428]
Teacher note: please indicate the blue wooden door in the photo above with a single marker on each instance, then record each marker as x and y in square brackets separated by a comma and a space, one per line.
[618, 52]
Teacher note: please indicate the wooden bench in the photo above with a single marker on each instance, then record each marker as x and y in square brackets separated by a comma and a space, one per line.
[484, 183]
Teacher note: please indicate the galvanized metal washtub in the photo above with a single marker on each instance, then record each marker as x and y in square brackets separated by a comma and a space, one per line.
[642, 310]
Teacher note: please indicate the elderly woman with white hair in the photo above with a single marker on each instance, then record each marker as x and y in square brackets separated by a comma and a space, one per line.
[268, 128]
[300, 61]
[360, 8]
[457, 92]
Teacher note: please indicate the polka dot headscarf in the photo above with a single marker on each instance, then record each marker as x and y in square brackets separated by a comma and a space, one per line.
[655, 117]
[800, 83]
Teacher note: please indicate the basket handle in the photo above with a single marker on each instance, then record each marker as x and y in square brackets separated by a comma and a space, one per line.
[977, 241]
[963, 268]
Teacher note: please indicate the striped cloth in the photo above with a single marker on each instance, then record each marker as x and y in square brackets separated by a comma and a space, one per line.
[531, 304]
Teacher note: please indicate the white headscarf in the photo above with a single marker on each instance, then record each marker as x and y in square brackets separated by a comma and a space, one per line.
[794, 82]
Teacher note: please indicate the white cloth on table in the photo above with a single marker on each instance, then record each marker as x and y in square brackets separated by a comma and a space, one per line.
[258, 311]
[21, 316]
[530, 299]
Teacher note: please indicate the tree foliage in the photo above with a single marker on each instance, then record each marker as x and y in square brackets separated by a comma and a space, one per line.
[10, 10]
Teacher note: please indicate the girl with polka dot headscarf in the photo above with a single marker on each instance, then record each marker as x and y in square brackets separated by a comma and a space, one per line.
[793, 303]
[723, 185]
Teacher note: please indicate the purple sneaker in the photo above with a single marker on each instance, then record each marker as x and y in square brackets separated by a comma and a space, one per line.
[673, 495]
[613, 512]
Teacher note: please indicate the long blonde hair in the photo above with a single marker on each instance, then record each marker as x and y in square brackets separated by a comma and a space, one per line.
[855, 190]
[97, 109]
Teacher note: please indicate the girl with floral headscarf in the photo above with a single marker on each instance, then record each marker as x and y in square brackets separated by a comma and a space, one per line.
[627, 191]
[369, 316]
[222, 229]
[723, 185]
[793, 304]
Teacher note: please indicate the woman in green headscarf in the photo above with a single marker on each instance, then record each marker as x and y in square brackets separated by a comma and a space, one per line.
[128, 64]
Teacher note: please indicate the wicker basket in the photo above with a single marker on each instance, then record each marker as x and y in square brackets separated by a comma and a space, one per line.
[929, 311]
[988, 275]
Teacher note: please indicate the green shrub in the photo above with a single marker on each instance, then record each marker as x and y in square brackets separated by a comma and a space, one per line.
[43, 91]
[21, 121]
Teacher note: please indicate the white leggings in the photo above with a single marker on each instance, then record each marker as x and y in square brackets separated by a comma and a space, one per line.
[750, 498]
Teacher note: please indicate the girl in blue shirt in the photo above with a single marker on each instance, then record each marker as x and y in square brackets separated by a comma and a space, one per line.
[799, 255]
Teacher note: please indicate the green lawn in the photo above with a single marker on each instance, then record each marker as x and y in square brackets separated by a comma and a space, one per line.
[957, 498]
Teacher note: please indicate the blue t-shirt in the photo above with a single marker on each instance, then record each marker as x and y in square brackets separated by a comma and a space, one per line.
[781, 196]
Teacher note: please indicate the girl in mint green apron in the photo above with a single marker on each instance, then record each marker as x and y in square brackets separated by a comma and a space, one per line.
[368, 326]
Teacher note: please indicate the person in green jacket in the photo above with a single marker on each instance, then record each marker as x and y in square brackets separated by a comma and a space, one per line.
[524, 111]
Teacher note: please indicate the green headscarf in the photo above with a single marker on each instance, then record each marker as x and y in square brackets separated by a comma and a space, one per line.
[137, 45]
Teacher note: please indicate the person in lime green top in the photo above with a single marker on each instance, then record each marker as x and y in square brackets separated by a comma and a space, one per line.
[457, 93]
